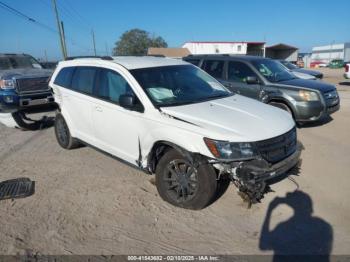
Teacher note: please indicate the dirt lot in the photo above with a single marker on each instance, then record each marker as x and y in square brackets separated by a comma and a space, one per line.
[88, 203]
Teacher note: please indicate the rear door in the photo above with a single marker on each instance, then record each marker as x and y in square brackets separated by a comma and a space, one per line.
[78, 102]
[72, 89]
[237, 74]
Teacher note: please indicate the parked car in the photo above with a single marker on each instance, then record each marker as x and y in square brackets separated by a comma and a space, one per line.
[49, 65]
[347, 71]
[296, 69]
[168, 117]
[270, 82]
[317, 64]
[23, 84]
[336, 63]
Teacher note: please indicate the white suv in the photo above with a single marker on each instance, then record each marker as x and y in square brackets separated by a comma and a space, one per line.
[168, 117]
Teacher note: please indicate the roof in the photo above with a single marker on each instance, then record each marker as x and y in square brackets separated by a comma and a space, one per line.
[132, 62]
[281, 46]
[169, 52]
[227, 56]
[223, 42]
[11, 54]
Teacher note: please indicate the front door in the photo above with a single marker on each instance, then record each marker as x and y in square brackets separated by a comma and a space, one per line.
[237, 74]
[116, 128]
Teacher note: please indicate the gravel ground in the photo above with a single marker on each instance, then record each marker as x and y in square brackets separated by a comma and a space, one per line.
[88, 203]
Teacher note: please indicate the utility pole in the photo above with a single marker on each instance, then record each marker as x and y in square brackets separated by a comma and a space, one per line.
[46, 60]
[59, 29]
[107, 49]
[93, 41]
[64, 39]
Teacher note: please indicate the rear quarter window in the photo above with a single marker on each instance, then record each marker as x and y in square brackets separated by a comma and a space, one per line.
[64, 77]
[215, 68]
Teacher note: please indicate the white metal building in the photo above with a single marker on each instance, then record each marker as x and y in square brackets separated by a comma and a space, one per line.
[282, 51]
[239, 48]
[329, 52]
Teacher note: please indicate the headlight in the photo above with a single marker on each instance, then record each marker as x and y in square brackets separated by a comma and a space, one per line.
[7, 84]
[308, 95]
[228, 150]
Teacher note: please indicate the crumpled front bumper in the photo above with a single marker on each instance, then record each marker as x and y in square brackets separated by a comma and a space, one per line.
[260, 170]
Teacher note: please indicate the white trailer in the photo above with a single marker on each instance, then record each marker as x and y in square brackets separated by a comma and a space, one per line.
[238, 48]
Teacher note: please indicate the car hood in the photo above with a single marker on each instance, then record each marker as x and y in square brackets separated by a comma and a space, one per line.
[234, 118]
[309, 72]
[303, 76]
[312, 84]
[25, 72]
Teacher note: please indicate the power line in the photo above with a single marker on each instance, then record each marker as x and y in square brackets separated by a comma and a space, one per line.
[24, 16]
[36, 22]
[42, 25]
[83, 20]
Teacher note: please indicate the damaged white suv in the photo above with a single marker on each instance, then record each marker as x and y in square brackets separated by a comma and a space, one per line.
[170, 118]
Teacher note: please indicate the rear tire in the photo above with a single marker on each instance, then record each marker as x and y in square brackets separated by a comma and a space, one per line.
[183, 185]
[63, 136]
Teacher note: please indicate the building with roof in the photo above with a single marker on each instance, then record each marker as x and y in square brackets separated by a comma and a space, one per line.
[239, 48]
[327, 53]
[169, 52]
[282, 52]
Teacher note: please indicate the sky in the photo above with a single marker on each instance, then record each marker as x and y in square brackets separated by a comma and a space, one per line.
[303, 24]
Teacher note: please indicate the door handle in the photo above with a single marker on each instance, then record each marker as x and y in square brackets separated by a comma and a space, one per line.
[98, 109]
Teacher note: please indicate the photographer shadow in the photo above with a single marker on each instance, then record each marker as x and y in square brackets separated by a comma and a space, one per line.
[303, 237]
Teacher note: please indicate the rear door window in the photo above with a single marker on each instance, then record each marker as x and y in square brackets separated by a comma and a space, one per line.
[238, 72]
[83, 79]
[64, 77]
[215, 68]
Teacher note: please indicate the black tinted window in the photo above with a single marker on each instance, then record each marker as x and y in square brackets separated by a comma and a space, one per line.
[214, 68]
[193, 61]
[83, 79]
[239, 72]
[64, 77]
[112, 85]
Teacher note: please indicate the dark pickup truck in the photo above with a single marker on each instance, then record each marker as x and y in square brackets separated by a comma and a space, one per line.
[23, 84]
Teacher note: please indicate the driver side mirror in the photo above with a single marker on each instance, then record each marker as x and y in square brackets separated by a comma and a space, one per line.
[252, 80]
[130, 102]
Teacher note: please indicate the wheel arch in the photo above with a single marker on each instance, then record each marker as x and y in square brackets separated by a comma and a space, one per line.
[160, 147]
[284, 101]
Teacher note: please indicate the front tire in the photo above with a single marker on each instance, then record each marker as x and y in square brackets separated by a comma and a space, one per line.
[181, 184]
[63, 136]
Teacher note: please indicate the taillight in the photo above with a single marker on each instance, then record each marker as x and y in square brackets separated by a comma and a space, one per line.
[347, 68]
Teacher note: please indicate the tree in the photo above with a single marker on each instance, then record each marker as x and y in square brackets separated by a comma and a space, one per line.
[137, 42]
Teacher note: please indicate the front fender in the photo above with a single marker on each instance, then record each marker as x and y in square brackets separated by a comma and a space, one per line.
[184, 139]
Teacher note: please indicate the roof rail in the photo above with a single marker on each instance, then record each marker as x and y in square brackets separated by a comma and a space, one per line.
[157, 55]
[78, 57]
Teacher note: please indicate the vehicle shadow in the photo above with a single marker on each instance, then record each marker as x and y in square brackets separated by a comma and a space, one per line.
[303, 237]
[26, 123]
[344, 83]
[325, 120]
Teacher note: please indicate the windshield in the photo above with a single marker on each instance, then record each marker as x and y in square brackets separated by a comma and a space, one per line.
[178, 85]
[15, 62]
[289, 65]
[272, 70]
